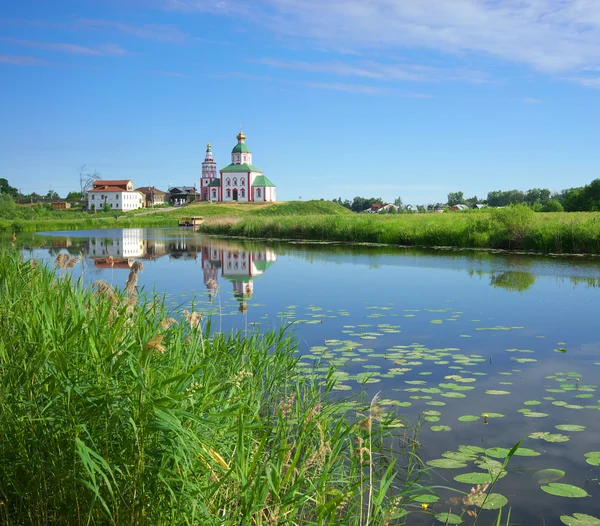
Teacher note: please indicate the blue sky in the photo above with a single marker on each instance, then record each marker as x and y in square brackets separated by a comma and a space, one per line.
[339, 98]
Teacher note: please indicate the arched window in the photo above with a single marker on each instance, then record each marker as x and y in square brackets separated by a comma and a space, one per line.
[234, 181]
[258, 192]
[228, 193]
[228, 181]
[214, 193]
[242, 193]
[242, 183]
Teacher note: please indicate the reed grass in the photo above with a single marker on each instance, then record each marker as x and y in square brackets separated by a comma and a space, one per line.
[115, 412]
[516, 228]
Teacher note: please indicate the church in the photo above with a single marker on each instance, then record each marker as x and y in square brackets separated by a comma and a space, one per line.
[240, 181]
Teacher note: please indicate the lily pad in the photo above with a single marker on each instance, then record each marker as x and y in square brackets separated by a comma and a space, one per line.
[579, 519]
[544, 476]
[446, 463]
[593, 458]
[493, 501]
[526, 452]
[570, 427]
[468, 418]
[556, 437]
[535, 415]
[496, 392]
[426, 499]
[448, 518]
[564, 490]
[438, 429]
[497, 452]
[473, 478]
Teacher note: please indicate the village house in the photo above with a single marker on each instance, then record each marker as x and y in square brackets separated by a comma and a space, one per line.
[240, 181]
[179, 195]
[117, 194]
[458, 208]
[152, 196]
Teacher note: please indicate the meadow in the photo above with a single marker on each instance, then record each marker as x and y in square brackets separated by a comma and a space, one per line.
[115, 411]
[513, 228]
[510, 228]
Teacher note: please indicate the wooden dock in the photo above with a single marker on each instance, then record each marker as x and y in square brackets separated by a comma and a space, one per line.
[191, 221]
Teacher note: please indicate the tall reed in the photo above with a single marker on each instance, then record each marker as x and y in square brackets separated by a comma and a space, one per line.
[114, 412]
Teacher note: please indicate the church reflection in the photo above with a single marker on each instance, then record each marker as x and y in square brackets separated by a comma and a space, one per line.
[236, 262]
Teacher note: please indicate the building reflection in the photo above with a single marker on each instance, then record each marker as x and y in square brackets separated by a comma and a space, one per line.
[236, 262]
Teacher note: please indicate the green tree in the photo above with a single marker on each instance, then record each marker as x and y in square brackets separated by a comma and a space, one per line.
[74, 196]
[398, 202]
[52, 194]
[553, 205]
[8, 207]
[5, 188]
[456, 198]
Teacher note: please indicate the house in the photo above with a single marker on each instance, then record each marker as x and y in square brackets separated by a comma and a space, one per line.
[178, 195]
[386, 208]
[61, 204]
[117, 194]
[411, 208]
[240, 181]
[153, 196]
[478, 206]
[458, 208]
[375, 208]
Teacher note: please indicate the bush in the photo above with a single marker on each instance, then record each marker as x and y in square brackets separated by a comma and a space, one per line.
[553, 205]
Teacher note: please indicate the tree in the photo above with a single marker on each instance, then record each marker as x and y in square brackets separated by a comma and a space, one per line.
[73, 197]
[456, 198]
[553, 205]
[52, 194]
[5, 188]
[398, 202]
[86, 178]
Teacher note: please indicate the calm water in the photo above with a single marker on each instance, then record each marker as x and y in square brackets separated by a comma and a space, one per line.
[442, 333]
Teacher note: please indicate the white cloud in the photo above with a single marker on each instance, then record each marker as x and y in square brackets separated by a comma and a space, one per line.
[589, 82]
[73, 49]
[550, 35]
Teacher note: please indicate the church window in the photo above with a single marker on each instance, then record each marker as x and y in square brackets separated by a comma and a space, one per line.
[214, 193]
[243, 192]
[228, 193]
[234, 181]
[228, 181]
[242, 181]
[258, 192]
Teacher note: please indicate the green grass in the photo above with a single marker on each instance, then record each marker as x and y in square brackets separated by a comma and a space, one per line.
[112, 413]
[517, 228]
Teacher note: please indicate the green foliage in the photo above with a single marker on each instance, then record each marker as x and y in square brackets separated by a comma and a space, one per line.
[112, 413]
[5, 188]
[302, 208]
[553, 205]
[456, 198]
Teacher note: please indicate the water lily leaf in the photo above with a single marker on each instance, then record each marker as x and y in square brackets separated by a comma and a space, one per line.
[496, 392]
[555, 437]
[543, 476]
[426, 499]
[497, 452]
[438, 429]
[432, 418]
[470, 449]
[532, 402]
[473, 478]
[535, 415]
[448, 518]
[468, 418]
[564, 490]
[526, 452]
[457, 455]
[579, 519]
[493, 415]
[593, 458]
[493, 501]
[446, 463]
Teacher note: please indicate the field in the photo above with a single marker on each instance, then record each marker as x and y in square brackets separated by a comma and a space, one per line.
[517, 228]
[514, 228]
[115, 411]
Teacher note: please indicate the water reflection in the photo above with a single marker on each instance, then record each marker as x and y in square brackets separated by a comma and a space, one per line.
[513, 281]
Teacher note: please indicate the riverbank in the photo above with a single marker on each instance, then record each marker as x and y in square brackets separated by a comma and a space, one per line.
[114, 411]
[514, 229]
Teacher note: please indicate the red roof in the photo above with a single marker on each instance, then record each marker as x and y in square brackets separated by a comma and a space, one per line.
[112, 182]
[109, 189]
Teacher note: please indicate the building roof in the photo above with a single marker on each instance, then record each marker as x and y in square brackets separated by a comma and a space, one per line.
[215, 183]
[112, 182]
[241, 148]
[149, 190]
[240, 168]
[109, 189]
[261, 180]
[461, 207]
[182, 189]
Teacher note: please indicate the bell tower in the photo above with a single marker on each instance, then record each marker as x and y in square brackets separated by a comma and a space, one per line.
[209, 173]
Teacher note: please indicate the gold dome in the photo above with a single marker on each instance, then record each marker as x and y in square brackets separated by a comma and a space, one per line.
[240, 136]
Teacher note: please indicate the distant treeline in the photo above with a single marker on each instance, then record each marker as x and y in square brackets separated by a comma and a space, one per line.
[579, 199]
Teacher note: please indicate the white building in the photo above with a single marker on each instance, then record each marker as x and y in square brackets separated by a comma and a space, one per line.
[240, 181]
[117, 194]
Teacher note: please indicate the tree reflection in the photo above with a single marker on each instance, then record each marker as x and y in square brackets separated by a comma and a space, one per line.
[513, 280]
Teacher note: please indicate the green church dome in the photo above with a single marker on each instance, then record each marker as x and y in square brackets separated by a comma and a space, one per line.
[241, 148]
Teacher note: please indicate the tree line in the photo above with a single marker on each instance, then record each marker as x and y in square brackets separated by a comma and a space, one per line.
[578, 199]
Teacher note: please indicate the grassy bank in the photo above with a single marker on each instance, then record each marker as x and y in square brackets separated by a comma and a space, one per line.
[115, 413]
[517, 228]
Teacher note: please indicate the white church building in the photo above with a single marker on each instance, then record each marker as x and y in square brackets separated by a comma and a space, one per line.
[240, 181]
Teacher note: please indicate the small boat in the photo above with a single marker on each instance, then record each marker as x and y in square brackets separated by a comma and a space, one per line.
[192, 221]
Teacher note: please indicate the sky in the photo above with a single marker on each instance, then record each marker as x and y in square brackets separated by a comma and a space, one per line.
[337, 98]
